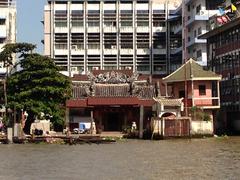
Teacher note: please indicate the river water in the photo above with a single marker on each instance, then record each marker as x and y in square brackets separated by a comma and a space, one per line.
[211, 158]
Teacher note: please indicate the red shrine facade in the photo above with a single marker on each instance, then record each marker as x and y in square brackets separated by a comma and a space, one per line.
[112, 99]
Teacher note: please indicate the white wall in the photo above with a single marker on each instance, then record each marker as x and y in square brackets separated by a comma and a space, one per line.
[202, 128]
[8, 30]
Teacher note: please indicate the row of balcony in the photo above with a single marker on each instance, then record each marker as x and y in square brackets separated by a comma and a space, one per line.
[196, 41]
[178, 29]
[109, 51]
[204, 102]
[108, 29]
[203, 15]
[8, 3]
[177, 50]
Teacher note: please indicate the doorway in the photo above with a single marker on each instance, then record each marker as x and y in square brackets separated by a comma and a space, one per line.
[112, 121]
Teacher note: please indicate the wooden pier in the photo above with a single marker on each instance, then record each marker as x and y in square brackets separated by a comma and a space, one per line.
[63, 139]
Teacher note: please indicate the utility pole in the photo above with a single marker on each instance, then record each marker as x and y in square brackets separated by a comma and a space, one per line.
[5, 93]
[184, 34]
[168, 40]
[5, 96]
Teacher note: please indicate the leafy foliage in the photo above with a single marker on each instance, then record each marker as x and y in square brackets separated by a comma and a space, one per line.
[10, 49]
[38, 86]
[199, 114]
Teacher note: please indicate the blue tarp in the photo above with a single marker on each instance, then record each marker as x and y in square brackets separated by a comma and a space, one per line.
[82, 126]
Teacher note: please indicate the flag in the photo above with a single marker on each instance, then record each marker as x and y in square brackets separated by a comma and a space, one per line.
[234, 8]
[221, 11]
[219, 20]
[224, 18]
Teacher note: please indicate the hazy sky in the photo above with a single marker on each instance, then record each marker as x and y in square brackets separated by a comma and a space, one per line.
[29, 26]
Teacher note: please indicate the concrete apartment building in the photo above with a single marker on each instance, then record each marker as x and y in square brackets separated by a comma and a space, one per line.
[89, 35]
[7, 26]
[194, 15]
[223, 42]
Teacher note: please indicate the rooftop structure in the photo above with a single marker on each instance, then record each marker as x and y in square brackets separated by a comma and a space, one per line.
[191, 71]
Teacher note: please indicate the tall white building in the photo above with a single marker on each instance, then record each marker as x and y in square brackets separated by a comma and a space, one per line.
[7, 26]
[193, 22]
[195, 17]
[111, 34]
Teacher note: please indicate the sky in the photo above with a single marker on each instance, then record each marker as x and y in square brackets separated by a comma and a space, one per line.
[29, 26]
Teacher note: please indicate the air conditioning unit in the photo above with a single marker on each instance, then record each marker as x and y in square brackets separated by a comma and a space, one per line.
[128, 67]
[114, 47]
[202, 12]
[74, 47]
[95, 68]
[74, 69]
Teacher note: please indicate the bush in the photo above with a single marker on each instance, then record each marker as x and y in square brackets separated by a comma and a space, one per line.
[206, 117]
[199, 114]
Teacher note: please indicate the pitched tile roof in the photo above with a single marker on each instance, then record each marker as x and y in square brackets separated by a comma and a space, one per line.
[125, 71]
[191, 70]
[169, 102]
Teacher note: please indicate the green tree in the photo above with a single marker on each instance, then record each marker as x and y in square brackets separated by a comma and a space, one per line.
[6, 56]
[37, 86]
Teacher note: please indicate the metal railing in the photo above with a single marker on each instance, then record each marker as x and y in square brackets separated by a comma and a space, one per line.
[213, 101]
[203, 102]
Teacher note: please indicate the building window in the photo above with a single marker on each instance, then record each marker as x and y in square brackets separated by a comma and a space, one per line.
[199, 53]
[143, 68]
[2, 21]
[202, 90]
[2, 40]
[61, 24]
[181, 94]
[198, 8]
[126, 24]
[199, 30]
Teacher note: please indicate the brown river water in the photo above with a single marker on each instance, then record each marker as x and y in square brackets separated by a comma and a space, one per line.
[211, 158]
